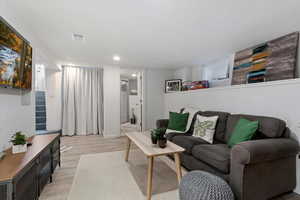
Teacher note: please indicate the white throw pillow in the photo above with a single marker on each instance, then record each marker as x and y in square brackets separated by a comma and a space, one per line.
[192, 112]
[204, 127]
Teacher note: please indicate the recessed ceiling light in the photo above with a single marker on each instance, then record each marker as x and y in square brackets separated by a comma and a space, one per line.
[116, 58]
[133, 75]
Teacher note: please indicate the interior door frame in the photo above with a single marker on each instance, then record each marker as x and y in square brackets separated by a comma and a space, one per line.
[141, 81]
[142, 99]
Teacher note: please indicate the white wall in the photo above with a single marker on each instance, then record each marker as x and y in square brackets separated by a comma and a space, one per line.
[197, 73]
[277, 99]
[53, 99]
[154, 95]
[208, 71]
[184, 73]
[111, 93]
[17, 114]
[40, 78]
[18, 108]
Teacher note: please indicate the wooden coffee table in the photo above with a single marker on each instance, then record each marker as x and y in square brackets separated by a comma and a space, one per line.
[144, 143]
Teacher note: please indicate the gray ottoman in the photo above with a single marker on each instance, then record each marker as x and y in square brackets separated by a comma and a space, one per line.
[200, 185]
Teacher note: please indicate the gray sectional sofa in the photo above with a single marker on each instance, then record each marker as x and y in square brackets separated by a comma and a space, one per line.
[256, 170]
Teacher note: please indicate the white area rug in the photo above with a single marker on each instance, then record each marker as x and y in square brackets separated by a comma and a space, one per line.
[107, 176]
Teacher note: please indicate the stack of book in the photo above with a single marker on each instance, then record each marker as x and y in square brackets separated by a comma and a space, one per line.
[194, 85]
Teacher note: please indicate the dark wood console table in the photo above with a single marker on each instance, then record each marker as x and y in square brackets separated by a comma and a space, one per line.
[24, 175]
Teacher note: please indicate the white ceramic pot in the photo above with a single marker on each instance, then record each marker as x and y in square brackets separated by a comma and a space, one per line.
[19, 148]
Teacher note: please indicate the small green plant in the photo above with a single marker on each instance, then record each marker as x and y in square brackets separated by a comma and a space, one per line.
[18, 138]
[158, 133]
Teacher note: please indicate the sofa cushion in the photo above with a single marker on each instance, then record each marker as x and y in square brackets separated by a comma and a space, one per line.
[171, 135]
[215, 155]
[243, 131]
[188, 142]
[205, 127]
[269, 127]
[221, 124]
[178, 121]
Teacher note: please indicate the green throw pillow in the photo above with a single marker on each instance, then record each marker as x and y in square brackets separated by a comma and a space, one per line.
[244, 130]
[178, 121]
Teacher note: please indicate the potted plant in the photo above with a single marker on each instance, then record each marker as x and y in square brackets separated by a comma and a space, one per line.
[158, 135]
[153, 136]
[19, 143]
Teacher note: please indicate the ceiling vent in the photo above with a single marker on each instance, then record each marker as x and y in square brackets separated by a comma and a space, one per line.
[78, 37]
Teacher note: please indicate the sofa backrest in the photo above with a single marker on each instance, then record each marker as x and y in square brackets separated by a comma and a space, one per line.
[269, 127]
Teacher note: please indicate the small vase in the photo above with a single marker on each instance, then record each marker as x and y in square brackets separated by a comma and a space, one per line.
[162, 143]
[19, 148]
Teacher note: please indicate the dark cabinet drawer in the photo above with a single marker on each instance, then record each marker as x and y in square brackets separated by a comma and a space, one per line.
[3, 191]
[33, 175]
[45, 157]
[55, 159]
[56, 145]
[44, 176]
[26, 185]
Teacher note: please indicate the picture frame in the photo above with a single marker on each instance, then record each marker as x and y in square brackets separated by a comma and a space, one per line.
[173, 85]
[15, 59]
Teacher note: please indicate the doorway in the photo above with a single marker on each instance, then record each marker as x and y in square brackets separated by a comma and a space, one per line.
[131, 101]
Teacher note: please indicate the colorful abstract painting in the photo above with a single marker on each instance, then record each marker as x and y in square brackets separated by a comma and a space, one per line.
[15, 59]
[270, 61]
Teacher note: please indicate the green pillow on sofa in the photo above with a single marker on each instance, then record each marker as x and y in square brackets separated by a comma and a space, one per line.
[244, 130]
[178, 121]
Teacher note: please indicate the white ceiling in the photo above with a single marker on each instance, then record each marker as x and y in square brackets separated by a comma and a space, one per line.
[154, 33]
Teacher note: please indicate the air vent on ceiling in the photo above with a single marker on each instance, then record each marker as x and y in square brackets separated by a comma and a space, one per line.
[78, 37]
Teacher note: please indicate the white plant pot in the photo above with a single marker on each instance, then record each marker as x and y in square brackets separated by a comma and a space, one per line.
[19, 148]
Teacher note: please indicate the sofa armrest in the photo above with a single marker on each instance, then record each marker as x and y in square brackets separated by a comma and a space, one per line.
[162, 123]
[257, 151]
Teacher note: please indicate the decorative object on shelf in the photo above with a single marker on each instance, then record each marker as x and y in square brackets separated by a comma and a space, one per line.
[15, 58]
[194, 85]
[158, 135]
[19, 143]
[173, 85]
[270, 61]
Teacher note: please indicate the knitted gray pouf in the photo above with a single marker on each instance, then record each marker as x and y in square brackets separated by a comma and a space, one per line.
[200, 185]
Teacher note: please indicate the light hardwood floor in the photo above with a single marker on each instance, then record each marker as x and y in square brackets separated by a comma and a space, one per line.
[63, 177]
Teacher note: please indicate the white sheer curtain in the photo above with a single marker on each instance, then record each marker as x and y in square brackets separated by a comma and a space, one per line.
[82, 101]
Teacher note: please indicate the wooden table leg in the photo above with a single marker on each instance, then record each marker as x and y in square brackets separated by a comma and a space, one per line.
[178, 166]
[128, 149]
[150, 173]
